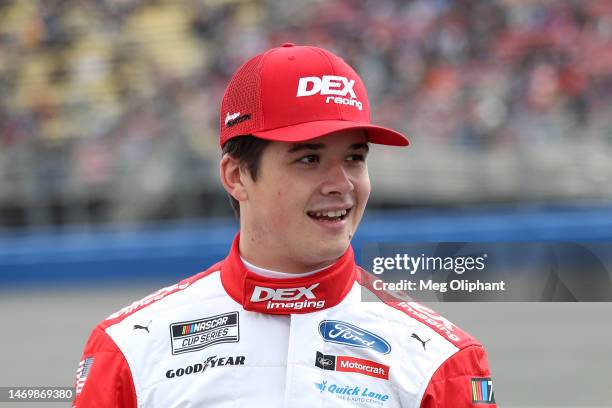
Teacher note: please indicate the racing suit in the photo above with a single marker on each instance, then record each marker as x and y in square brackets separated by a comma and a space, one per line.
[228, 337]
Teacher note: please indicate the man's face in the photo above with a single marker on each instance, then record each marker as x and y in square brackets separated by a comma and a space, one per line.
[306, 203]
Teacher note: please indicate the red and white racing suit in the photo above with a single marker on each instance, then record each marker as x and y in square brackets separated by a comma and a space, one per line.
[228, 337]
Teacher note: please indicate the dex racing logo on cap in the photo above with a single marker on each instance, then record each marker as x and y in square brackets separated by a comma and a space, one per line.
[287, 298]
[334, 88]
[335, 331]
[198, 334]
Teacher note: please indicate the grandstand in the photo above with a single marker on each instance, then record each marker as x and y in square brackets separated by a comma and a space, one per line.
[108, 108]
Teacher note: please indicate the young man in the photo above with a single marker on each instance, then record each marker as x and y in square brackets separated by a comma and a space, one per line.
[279, 322]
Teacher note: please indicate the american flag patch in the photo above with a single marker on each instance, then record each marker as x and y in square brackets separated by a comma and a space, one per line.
[82, 372]
[482, 391]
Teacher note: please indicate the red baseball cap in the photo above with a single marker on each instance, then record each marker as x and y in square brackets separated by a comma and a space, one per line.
[296, 93]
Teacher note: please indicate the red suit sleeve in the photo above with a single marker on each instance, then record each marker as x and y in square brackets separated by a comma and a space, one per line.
[462, 381]
[103, 378]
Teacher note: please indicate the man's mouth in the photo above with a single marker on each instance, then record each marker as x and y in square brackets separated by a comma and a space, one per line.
[331, 215]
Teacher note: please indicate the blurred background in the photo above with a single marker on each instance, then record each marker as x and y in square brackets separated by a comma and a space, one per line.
[109, 108]
[109, 154]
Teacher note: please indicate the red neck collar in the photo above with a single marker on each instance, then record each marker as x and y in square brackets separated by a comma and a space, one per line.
[311, 293]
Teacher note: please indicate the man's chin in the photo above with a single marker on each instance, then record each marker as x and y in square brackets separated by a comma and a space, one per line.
[328, 252]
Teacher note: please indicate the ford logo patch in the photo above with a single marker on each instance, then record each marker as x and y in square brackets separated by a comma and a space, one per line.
[335, 331]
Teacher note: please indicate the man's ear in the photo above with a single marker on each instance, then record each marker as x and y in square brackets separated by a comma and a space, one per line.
[232, 178]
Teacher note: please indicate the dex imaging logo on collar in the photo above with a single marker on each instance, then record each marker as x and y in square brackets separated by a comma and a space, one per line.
[288, 298]
[334, 88]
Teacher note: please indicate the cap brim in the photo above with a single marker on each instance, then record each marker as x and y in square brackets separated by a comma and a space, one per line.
[311, 130]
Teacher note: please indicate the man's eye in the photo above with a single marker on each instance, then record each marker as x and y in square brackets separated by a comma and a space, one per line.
[356, 157]
[311, 158]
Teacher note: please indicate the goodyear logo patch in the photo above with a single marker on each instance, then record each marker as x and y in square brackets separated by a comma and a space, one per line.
[198, 334]
[482, 391]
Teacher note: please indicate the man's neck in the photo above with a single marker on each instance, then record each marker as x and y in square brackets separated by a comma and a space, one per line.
[272, 261]
[269, 273]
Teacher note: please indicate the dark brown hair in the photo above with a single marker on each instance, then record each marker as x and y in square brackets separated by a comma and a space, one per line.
[247, 150]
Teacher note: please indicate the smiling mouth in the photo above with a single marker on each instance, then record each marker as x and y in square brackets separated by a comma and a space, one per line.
[332, 216]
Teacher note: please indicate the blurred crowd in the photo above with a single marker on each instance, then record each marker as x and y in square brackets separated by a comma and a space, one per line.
[108, 108]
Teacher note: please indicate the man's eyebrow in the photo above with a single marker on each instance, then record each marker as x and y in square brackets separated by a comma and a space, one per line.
[306, 146]
[358, 146]
[319, 146]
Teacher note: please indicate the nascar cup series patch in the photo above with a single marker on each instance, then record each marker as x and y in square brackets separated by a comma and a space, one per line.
[195, 335]
[482, 391]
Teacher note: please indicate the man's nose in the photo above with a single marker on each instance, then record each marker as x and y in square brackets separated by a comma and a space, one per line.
[337, 181]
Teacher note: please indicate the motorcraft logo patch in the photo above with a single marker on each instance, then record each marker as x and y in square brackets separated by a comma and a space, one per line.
[482, 391]
[209, 362]
[353, 394]
[288, 298]
[198, 334]
[351, 365]
[335, 331]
